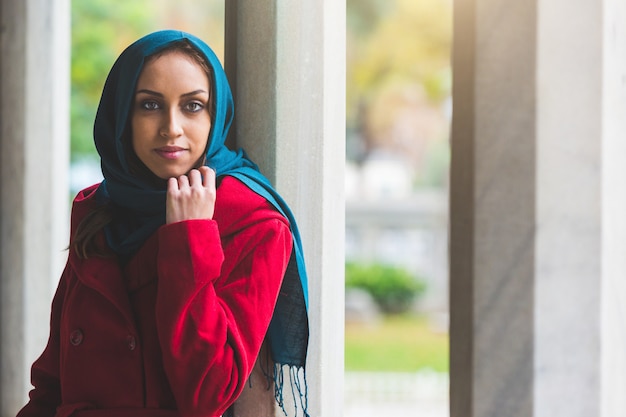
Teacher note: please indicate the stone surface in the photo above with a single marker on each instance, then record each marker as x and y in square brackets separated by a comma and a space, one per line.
[287, 63]
[34, 155]
[536, 229]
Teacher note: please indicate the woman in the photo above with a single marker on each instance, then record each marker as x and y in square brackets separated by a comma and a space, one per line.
[182, 262]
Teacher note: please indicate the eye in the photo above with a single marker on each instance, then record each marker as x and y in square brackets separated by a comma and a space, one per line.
[149, 105]
[194, 106]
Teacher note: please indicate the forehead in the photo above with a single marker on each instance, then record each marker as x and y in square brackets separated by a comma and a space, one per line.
[172, 68]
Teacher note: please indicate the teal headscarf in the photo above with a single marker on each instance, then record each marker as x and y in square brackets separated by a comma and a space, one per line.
[143, 203]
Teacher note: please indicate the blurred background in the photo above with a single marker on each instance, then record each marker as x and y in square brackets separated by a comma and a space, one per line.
[398, 106]
[398, 110]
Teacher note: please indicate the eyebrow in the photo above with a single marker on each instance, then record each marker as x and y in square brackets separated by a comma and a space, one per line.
[157, 94]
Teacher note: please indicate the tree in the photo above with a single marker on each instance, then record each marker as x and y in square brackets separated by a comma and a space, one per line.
[100, 30]
[398, 72]
[409, 44]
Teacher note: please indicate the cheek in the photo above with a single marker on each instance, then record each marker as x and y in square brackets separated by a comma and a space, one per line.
[201, 134]
[138, 133]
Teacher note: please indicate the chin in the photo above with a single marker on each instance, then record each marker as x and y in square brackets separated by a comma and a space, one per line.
[171, 173]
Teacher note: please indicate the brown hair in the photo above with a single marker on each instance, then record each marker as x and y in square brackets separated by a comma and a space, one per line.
[84, 241]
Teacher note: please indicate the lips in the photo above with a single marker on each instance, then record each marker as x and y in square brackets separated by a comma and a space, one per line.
[170, 152]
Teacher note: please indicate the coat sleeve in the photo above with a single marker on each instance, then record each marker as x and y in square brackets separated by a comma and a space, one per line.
[214, 304]
[45, 397]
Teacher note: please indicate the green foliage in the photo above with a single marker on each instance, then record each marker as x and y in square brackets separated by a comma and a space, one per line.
[100, 29]
[363, 15]
[394, 289]
[407, 42]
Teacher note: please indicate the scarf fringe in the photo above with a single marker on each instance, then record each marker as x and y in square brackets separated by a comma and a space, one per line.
[299, 388]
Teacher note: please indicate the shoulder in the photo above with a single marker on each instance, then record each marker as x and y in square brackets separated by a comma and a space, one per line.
[232, 192]
[237, 206]
[86, 194]
[84, 203]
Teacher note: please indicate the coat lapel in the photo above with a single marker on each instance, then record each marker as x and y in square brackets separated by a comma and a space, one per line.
[104, 275]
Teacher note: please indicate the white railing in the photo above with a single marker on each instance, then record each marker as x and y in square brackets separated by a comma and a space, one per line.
[423, 393]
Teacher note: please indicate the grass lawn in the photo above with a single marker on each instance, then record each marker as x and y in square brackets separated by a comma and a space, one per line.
[395, 344]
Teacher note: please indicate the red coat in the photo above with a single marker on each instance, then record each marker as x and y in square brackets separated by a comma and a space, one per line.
[178, 328]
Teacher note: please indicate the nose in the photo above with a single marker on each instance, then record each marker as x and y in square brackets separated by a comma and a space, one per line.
[171, 126]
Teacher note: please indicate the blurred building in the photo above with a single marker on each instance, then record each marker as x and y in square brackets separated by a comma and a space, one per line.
[391, 222]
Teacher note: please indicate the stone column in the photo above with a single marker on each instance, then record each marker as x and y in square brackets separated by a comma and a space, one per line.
[613, 171]
[34, 126]
[538, 235]
[286, 60]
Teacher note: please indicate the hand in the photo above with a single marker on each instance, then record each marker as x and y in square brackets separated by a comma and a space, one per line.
[191, 196]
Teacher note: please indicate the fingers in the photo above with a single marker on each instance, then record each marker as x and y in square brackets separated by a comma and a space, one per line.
[208, 177]
[172, 185]
[191, 196]
[203, 177]
[183, 182]
[193, 178]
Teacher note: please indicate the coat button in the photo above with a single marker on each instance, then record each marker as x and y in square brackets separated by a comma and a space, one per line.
[76, 338]
[131, 342]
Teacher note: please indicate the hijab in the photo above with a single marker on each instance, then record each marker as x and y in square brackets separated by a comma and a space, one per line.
[143, 203]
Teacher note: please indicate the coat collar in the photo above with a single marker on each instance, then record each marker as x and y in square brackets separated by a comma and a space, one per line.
[102, 274]
[105, 276]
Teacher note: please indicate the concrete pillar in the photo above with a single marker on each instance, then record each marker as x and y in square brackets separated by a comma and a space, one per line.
[538, 235]
[34, 126]
[286, 61]
[613, 171]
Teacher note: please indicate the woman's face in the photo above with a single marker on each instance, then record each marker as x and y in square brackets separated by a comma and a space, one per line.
[170, 117]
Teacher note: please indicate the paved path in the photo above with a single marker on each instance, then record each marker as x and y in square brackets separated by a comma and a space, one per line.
[370, 394]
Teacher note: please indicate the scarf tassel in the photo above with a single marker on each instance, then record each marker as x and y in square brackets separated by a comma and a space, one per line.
[299, 388]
